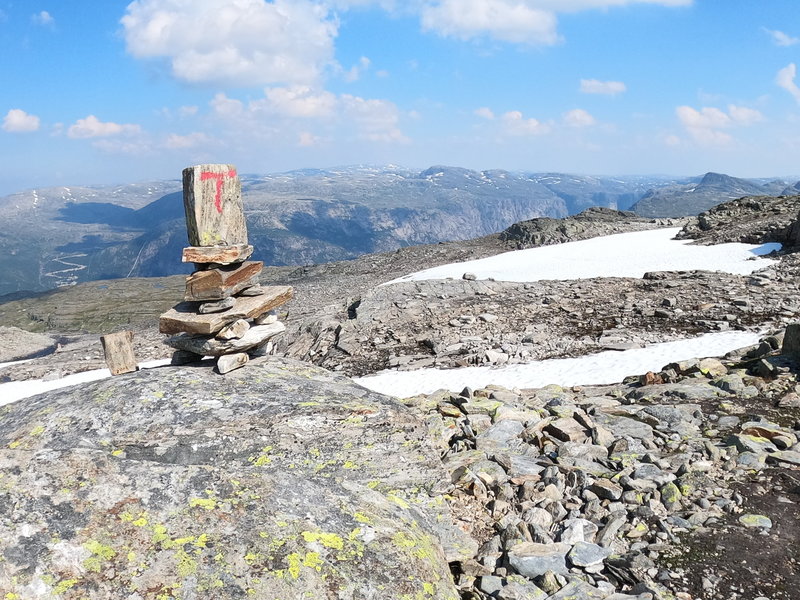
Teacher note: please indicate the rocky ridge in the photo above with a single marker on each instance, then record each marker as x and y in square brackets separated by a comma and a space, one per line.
[654, 488]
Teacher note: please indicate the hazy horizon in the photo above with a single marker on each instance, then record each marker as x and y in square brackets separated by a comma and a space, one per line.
[124, 91]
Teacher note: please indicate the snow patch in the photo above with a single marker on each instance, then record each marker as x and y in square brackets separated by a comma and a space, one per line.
[17, 390]
[595, 369]
[620, 255]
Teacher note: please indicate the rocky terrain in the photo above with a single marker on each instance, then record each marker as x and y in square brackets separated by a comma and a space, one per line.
[672, 485]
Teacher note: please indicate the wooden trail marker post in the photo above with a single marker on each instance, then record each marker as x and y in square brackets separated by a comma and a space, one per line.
[217, 231]
[118, 349]
[212, 199]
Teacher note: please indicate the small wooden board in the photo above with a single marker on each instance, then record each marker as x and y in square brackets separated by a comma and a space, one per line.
[222, 282]
[184, 318]
[223, 255]
[118, 348]
[212, 200]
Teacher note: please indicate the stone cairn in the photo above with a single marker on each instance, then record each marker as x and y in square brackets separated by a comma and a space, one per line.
[226, 313]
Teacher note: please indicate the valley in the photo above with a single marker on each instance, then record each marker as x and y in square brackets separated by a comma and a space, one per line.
[313, 216]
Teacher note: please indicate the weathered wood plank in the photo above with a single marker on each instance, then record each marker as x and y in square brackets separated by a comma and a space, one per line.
[118, 349]
[184, 317]
[222, 282]
[223, 255]
[212, 200]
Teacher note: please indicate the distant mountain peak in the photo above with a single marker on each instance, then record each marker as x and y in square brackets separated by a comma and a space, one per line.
[711, 178]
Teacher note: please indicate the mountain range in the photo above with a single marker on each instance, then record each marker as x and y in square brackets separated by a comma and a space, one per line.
[62, 236]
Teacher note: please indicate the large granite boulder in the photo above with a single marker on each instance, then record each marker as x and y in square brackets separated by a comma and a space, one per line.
[278, 480]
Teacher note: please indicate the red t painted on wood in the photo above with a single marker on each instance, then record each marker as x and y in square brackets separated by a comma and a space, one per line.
[212, 198]
[206, 175]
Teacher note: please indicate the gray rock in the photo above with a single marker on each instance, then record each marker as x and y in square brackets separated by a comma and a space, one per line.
[756, 521]
[231, 362]
[253, 290]
[17, 344]
[235, 330]
[732, 383]
[621, 426]
[587, 451]
[518, 588]
[532, 560]
[209, 346]
[752, 460]
[578, 590]
[791, 339]
[584, 554]
[503, 434]
[207, 308]
[566, 429]
[750, 443]
[577, 530]
[204, 478]
[490, 584]
[522, 466]
[784, 458]
[652, 473]
[607, 490]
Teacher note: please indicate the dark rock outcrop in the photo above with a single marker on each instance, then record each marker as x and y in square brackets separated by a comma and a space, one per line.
[751, 220]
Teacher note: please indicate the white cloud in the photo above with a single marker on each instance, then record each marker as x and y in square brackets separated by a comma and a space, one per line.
[377, 120]
[307, 139]
[743, 115]
[516, 124]
[234, 42]
[138, 147]
[579, 118]
[278, 112]
[785, 79]
[506, 20]
[354, 73]
[227, 107]
[298, 101]
[485, 113]
[180, 142]
[43, 18]
[92, 127]
[780, 38]
[595, 86]
[517, 21]
[188, 111]
[18, 121]
[705, 125]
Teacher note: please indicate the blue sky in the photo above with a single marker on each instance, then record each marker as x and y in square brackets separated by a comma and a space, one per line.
[117, 91]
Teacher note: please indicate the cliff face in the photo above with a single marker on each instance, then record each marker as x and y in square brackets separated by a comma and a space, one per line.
[283, 481]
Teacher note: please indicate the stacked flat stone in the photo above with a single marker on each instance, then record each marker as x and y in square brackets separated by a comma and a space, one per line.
[226, 313]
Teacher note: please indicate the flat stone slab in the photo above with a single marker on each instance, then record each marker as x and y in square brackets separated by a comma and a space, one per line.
[210, 346]
[184, 318]
[222, 282]
[531, 560]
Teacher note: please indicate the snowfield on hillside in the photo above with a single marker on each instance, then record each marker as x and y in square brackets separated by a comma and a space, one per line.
[595, 369]
[621, 255]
